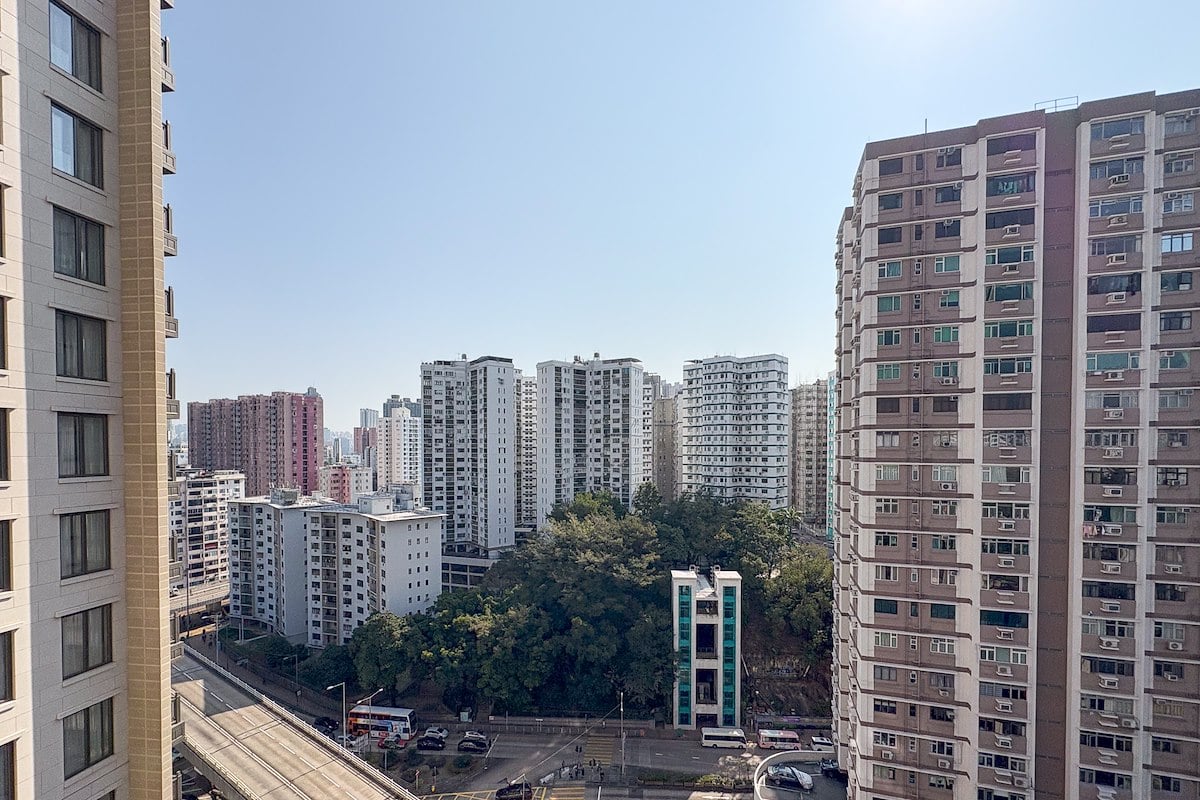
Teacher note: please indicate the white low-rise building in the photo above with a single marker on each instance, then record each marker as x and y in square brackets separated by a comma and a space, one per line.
[198, 525]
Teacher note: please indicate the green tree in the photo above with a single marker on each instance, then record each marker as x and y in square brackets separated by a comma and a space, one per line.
[646, 500]
[588, 504]
[383, 652]
[798, 603]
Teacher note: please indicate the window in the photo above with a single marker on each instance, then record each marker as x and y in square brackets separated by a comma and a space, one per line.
[1007, 330]
[1171, 515]
[1000, 292]
[1176, 242]
[1109, 207]
[1117, 127]
[1114, 360]
[945, 404]
[887, 405]
[8, 771]
[949, 157]
[944, 508]
[885, 673]
[1130, 283]
[1179, 124]
[947, 229]
[1008, 144]
[1117, 166]
[885, 606]
[941, 611]
[941, 646]
[82, 445]
[1172, 476]
[1174, 398]
[1178, 202]
[885, 706]
[4, 445]
[1175, 321]
[82, 346]
[918, 232]
[888, 338]
[887, 540]
[1170, 592]
[886, 639]
[78, 247]
[1165, 783]
[87, 737]
[1174, 359]
[945, 334]
[888, 302]
[887, 505]
[1007, 366]
[1172, 438]
[887, 472]
[1005, 219]
[1004, 547]
[890, 269]
[1010, 184]
[74, 46]
[1179, 163]
[891, 166]
[1115, 245]
[887, 438]
[949, 298]
[887, 372]
[945, 542]
[945, 369]
[84, 543]
[948, 194]
[1176, 281]
[945, 264]
[888, 202]
[890, 235]
[77, 146]
[1008, 255]
[86, 640]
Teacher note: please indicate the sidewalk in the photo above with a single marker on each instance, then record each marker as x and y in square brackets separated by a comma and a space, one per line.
[303, 701]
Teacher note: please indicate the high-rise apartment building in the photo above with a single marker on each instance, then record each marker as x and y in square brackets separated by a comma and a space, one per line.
[84, 628]
[469, 451]
[314, 571]
[652, 391]
[831, 406]
[199, 525]
[276, 440]
[1018, 557]
[527, 449]
[810, 434]
[734, 422]
[589, 429]
[398, 449]
[396, 401]
[664, 429]
[344, 483]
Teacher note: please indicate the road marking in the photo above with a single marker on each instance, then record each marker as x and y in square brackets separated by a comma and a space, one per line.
[336, 785]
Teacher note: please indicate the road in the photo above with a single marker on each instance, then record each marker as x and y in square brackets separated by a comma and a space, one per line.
[274, 760]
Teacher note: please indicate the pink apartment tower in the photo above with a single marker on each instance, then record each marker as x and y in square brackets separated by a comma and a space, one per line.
[275, 440]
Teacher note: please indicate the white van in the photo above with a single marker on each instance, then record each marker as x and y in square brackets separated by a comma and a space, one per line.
[822, 745]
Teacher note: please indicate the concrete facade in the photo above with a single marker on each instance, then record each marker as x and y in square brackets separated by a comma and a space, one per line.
[707, 618]
[398, 449]
[199, 525]
[809, 458]
[344, 483]
[527, 448]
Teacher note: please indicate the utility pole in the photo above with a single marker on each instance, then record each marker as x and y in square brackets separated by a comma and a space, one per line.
[622, 735]
[345, 733]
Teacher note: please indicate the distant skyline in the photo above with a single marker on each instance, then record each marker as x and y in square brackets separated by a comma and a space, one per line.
[360, 192]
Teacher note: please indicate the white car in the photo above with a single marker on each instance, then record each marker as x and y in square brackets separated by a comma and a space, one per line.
[475, 735]
[440, 733]
[350, 741]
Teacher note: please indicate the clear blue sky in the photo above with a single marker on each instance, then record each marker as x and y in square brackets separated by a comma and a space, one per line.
[365, 186]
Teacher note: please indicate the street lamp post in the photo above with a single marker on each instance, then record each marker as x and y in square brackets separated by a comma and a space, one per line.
[622, 735]
[345, 733]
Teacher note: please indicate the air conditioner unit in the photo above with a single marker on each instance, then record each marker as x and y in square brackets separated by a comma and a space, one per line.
[1021, 782]
[1109, 607]
[1004, 671]
[1110, 644]
[1117, 219]
[1114, 413]
[1113, 491]
[945, 151]
[887, 755]
[943, 763]
[1008, 525]
[1006, 561]
[1004, 742]
[1116, 258]
[949, 381]
[1110, 568]
[1173, 569]
[1004, 706]
[949, 487]
[1177, 646]
[1171, 676]
[1114, 375]
[1111, 530]
[1175, 443]
[1129, 722]
[1011, 269]
[1012, 230]
[1004, 634]
[1114, 452]
[946, 692]
[1118, 180]
[1116, 297]
[1109, 683]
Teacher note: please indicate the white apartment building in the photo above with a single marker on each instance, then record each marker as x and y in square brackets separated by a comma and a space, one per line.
[313, 571]
[85, 397]
[199, 525]
[734, 428]
[345, 482]
[398, 449]
[527, 447]
[810, 439]
[590, 429]
[652, 391]
[469, 452]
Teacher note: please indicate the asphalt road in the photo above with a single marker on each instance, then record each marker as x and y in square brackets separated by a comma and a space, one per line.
[271, 757]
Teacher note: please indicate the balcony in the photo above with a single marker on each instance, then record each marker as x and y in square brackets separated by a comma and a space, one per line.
[168, 153]
[1112, 417]
[1117, 184]
[1124, 340]
[172, 401]
[1116, 223]
[1007, 345]
[1115, 378]
[1114, 262]
[1016, 565]
[1110, 456]
[1000, 598]
[168, 76]
[989, 670]
[1009, 235]
[1115, 301]
[170, 242]
[166, 4]
[1104, 758]
[172, 324]
[1013, 159]
[1115, 646]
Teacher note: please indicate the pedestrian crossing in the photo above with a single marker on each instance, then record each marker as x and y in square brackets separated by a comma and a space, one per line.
[600, 749]
[568, 793]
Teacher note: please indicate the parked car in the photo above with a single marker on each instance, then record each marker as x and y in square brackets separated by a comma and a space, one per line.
[822, 744]
[829, 767]
[440, 733]
[475, 735]
[515, 791]
[326, 725]
[431, 743]
[473, 746]
[785, 776]
[351, 741]
[393, 743]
